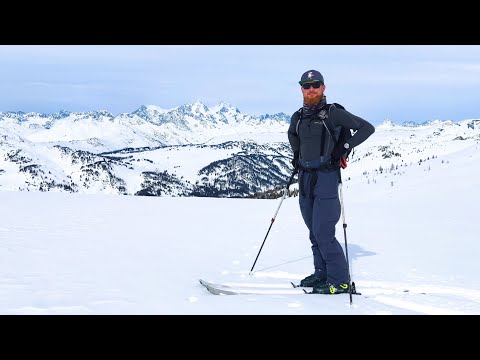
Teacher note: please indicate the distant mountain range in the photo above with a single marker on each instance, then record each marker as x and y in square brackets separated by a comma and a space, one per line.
[191, 150]
[147, 126]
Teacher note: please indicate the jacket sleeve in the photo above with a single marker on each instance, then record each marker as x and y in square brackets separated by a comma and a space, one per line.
[292, 134]
[363, 128]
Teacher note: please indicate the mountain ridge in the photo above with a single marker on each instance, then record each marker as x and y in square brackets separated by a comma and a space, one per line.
[192, 150]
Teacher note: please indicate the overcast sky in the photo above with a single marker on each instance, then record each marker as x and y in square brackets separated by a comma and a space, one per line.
[402, 83]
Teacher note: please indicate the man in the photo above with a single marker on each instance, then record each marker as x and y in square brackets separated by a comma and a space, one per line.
[318, 161]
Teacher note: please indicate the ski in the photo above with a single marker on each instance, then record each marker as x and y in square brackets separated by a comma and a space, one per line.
[290, 289]
[249, 285]
[251, 289]
[260, 289]
[354, 289]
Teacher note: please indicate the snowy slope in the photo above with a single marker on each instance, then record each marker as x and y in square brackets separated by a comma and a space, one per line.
[66, 253]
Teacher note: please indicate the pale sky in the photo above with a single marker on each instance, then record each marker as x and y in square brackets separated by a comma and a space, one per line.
[402, 83]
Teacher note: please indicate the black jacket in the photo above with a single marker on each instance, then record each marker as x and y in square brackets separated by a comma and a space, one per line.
[305, 136]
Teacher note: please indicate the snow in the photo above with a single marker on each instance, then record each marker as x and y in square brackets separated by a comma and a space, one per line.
[257, 137]
[100, 131]
[158, 109]
[412, 229]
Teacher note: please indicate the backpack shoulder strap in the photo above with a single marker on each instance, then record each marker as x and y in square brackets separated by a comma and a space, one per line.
[300, 115]
[327, 122]
[337, 105]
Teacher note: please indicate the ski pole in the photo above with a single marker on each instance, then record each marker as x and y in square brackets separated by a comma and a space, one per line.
[350, 284]
[285, 194]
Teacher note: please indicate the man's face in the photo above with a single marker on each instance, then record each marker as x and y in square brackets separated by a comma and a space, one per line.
[312, 92]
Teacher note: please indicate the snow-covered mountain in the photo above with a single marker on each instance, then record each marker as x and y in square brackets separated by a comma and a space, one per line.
[100, 131]
[193, 150]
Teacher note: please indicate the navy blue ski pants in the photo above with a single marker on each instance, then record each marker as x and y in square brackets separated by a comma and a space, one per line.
[320, 207]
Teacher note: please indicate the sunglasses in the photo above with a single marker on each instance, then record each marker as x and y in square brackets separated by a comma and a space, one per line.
[315, 85]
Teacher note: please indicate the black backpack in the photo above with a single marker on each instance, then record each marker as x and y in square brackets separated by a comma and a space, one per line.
[345, 133]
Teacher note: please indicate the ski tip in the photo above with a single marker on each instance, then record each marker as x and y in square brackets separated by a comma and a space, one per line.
[203, 282]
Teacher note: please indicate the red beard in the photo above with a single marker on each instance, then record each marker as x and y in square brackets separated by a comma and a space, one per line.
[312, 100]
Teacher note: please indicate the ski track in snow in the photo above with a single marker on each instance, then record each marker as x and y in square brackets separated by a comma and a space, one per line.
[419, 299]
[435, 300]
